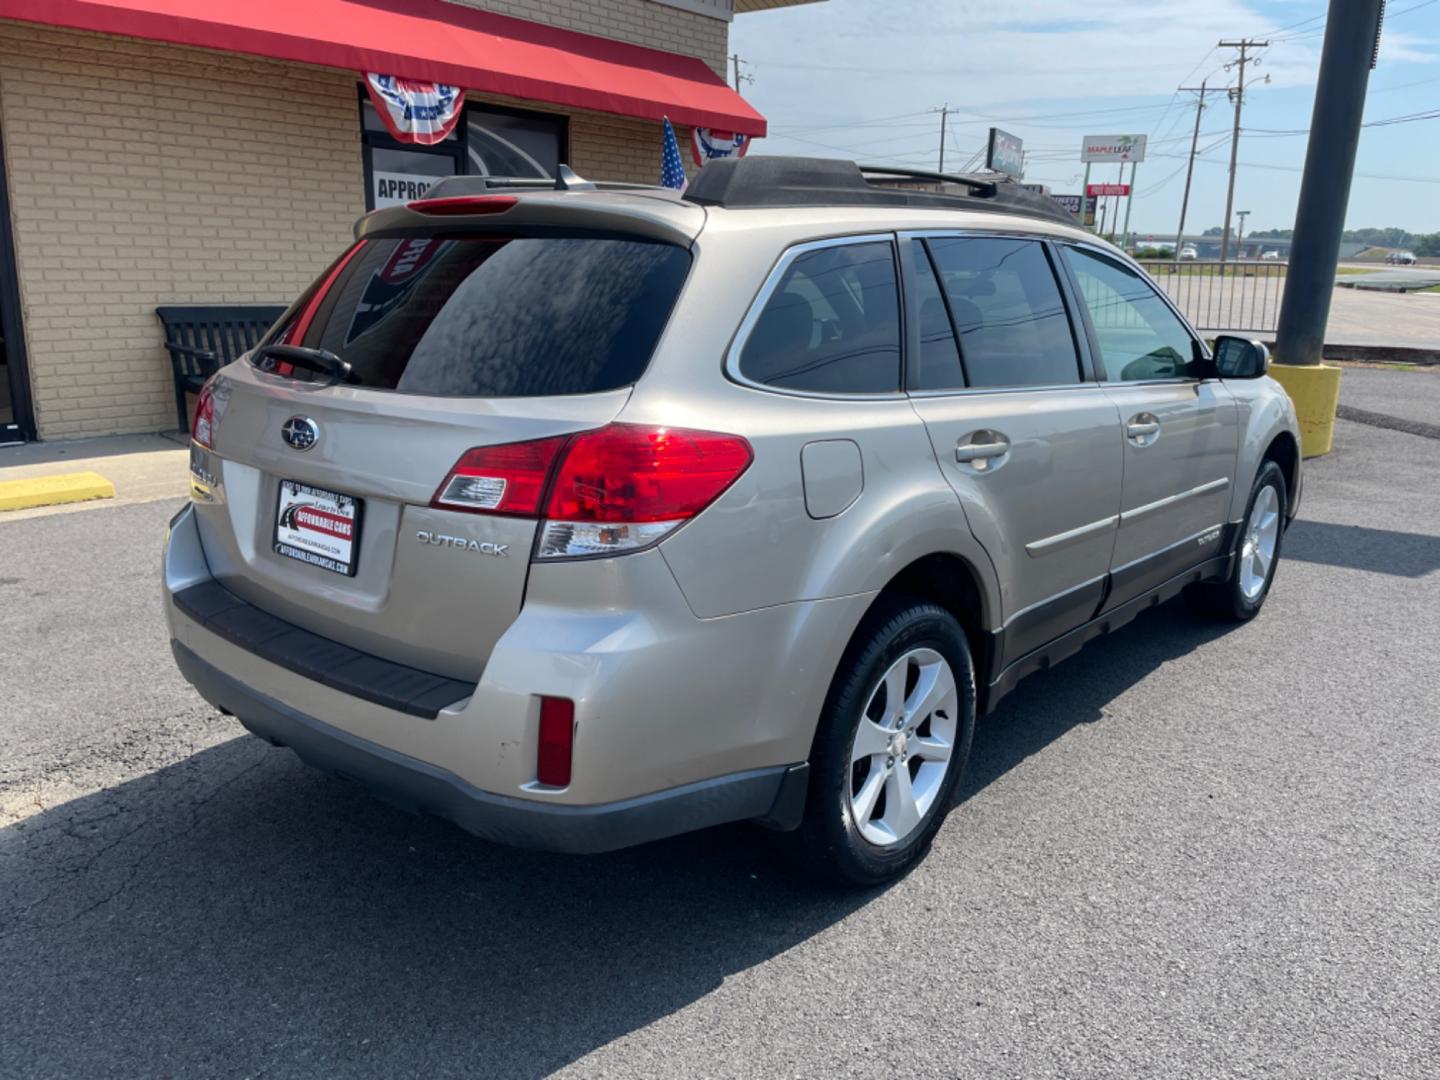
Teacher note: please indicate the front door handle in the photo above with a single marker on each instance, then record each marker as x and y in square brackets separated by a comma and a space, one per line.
[1142, 429]
[982, 447]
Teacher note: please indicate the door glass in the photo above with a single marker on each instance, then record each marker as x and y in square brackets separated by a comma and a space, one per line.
[398, 176]
[1008, 312]
[1140, 337]
[499, 144]
[832, 326]
[7, 410]
[938, 365]
[370, 121]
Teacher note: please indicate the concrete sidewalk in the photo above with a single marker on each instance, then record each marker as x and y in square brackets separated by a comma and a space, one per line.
[143, 468]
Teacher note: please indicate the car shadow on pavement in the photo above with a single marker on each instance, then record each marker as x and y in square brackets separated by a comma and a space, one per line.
[1357, 547]
[239, 913]
[1048, 704]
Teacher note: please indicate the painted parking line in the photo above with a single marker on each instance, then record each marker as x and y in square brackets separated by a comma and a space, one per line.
[54, 490]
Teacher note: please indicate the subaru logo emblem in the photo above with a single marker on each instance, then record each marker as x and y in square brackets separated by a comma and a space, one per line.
[300, 432]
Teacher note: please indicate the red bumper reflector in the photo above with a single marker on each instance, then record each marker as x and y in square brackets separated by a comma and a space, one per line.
[557, 741]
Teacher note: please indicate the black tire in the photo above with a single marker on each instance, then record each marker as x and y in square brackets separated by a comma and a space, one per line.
[829, 839]
[1227, 599]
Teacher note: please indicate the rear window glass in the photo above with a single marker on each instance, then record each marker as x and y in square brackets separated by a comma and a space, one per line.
[832, 325]
[500, 317]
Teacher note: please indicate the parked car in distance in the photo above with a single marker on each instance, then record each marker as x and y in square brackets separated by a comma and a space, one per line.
[587, 515]
[1270, 256]
[1189, 253]
[1401, 258]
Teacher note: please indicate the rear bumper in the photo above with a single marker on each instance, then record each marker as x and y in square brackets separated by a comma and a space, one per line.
[773, 795]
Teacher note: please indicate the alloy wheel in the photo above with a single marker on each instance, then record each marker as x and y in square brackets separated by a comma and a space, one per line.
[902, 748]
[1257, 550]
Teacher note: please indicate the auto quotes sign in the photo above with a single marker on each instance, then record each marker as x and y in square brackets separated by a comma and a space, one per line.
[1120, 148]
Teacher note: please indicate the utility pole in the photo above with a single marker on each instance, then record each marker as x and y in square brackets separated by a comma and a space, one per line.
[735, 62]
[1240, 235]
[944, 112]
[1129, 202]
[1202, 90]
[1238, 93]
[1352, 42]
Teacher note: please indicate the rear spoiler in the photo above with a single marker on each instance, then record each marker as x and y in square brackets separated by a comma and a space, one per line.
[520, 206]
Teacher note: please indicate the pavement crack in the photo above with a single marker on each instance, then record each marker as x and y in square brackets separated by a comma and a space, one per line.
[130, 872]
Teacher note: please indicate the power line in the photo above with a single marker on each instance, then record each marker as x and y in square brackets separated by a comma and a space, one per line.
[1296, 169]
[1391, 121]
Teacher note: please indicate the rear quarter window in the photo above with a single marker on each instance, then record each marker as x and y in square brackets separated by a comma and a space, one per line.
[501, 316]
[831, 325]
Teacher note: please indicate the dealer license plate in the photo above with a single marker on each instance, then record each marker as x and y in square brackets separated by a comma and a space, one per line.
[318, 527]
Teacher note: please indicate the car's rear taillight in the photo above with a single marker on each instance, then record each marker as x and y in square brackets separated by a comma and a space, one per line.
[203, 429]
[603, 492]
[626, 486]
[507, 479]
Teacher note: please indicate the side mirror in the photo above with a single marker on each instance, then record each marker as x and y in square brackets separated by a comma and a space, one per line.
[1240, 358]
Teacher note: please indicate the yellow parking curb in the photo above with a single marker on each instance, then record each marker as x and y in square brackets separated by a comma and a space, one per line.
[53, 490]
[1315, 390]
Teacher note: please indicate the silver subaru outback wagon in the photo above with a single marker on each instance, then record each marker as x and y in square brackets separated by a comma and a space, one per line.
[590, 515]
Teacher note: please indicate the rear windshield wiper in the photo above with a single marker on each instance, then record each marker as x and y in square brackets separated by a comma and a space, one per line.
[321, 361]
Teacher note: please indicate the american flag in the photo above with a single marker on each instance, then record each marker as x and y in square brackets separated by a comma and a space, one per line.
[672, 172]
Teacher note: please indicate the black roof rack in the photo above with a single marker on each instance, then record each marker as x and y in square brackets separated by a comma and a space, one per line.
[766, 181]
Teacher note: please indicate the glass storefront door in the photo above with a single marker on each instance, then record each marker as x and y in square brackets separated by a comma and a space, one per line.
[491, 141]
[16, 422]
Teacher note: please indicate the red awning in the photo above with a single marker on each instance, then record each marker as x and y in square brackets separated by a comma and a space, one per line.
[431, 40]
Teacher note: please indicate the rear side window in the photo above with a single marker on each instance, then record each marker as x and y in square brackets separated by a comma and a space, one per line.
[938, 365]
[1008, 312]
[500, 317]
[832, 325]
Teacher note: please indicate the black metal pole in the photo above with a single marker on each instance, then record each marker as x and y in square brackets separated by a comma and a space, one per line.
[1351, 39]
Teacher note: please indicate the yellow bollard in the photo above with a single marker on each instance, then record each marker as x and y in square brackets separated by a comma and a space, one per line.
[1315, 390]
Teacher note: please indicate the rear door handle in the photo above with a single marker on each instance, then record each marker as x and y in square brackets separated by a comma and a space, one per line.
[993, 445]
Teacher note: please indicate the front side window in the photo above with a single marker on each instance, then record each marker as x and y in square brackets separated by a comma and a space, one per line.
[1008, 312]
[832, 325]
[1140, 337]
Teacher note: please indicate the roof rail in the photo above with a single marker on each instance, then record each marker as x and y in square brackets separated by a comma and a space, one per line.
[775, 181]
[983, 186]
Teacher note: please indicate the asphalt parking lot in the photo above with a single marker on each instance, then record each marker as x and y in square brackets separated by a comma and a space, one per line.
[1189, 851]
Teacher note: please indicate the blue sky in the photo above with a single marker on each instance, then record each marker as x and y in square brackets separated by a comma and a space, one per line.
[856, 78]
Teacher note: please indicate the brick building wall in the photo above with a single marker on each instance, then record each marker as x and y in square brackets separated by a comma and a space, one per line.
[640, 22]
[143, 174]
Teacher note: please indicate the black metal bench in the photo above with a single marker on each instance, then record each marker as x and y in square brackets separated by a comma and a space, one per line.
[203, 339]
